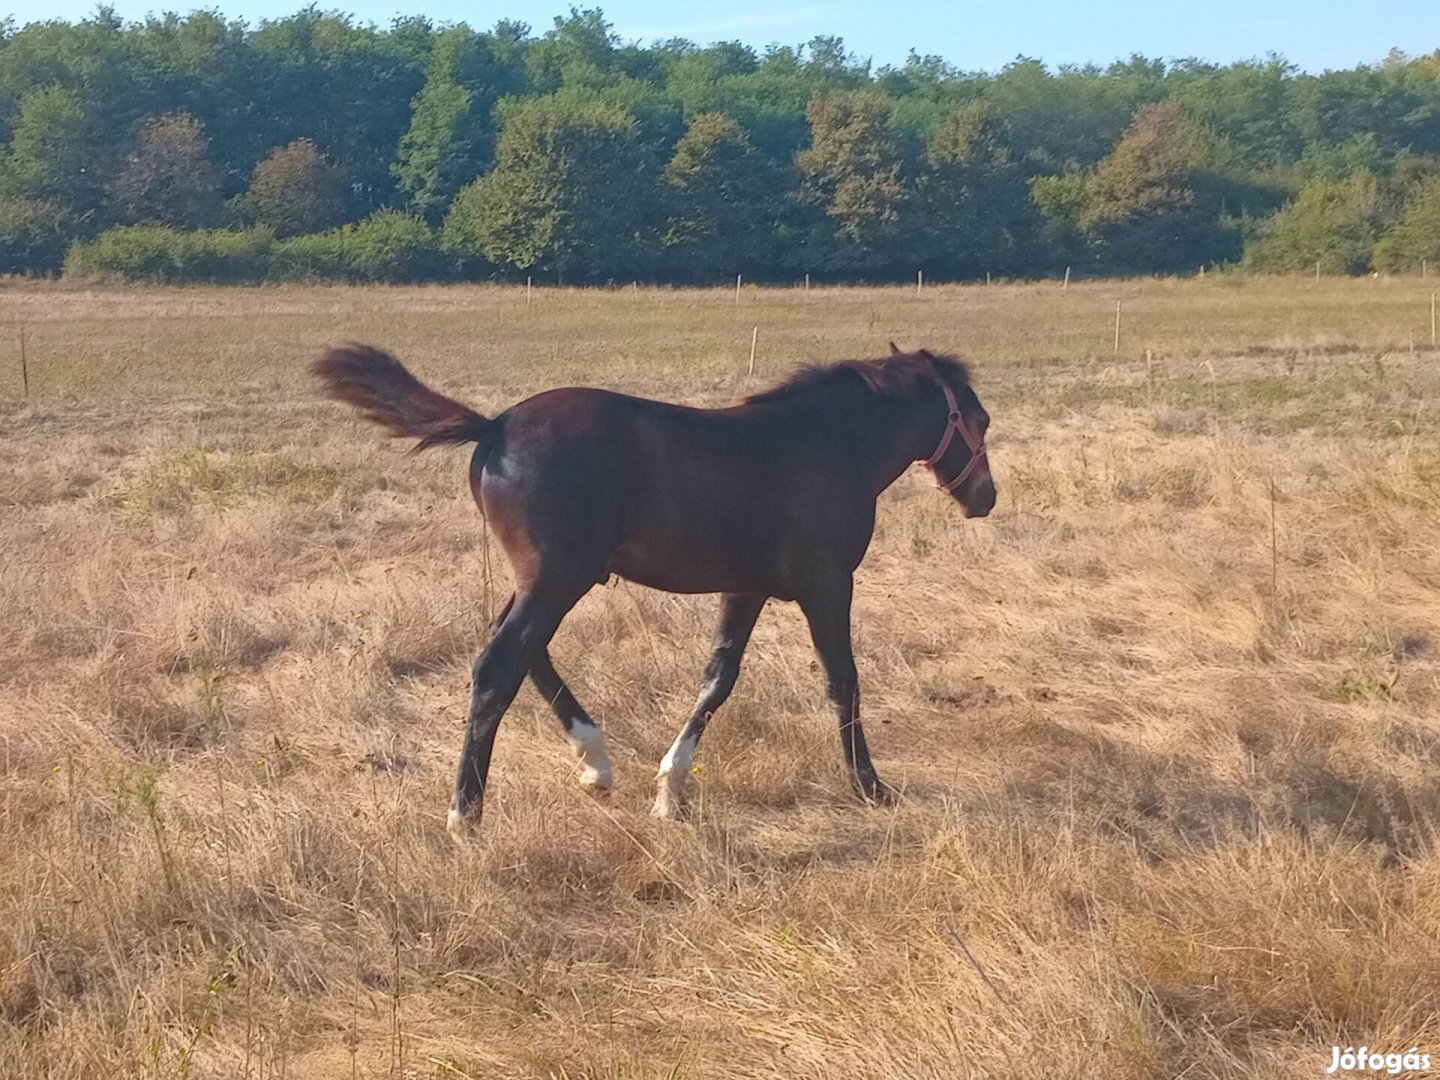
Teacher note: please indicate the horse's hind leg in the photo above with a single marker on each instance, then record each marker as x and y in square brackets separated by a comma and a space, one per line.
[828, 612]
[732, 634]
[584, 734]
[525, 629]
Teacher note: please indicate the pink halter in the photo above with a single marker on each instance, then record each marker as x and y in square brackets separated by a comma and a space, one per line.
[953, 423]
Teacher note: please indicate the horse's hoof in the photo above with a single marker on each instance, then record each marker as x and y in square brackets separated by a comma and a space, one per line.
[596, 781]
[588, 742]
[458, 827]
[876, 792]
[668, 805]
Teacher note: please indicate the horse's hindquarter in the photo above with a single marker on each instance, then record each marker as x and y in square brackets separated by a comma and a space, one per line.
[555, 486]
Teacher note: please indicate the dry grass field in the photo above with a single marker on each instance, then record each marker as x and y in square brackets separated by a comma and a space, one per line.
[1166, 723]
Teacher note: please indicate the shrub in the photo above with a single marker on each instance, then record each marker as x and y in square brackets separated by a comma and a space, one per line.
[33, 234]
[1332, 222]
[312, 257]
[1415, 238]
[389, 245]
[159, 254]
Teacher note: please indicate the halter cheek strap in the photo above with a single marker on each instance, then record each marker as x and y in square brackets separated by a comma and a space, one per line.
[956, 423]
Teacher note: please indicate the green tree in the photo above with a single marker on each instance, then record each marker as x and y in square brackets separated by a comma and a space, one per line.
[851, 171]
[1414, 238]
[570, 194]
[581, 50]
[1068, 119]
[94, 61]
[927, 90]
[451, 139]
[53, 154]
[203, 65]
[720, 193]
[1059, 204]
[409, 115]
[1395, 104]
[1334, 223]
[437, 154]
[1154, 202]
[1335, 161]
[1245, 104]
[697, 77]
[295, 190]
[977, 215]
[345, 86]
[168, 177]
[768, 96]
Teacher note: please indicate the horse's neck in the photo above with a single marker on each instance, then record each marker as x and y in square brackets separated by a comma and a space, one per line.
[904, 446]
[874, 431]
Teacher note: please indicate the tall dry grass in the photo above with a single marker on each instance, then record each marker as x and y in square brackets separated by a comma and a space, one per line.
[1171, 764]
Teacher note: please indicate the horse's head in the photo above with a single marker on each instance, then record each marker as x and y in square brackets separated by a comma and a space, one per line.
[959, 460]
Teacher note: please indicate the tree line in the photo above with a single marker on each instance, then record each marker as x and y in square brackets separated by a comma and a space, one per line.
[195, 147]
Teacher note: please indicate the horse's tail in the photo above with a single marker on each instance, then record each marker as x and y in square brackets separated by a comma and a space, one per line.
[384, 391]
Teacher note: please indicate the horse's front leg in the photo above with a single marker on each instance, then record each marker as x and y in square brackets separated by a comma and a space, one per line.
[525, 630]
[732, 633]
[827, 609]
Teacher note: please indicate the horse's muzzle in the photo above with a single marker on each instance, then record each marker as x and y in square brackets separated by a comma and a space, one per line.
[979, 498]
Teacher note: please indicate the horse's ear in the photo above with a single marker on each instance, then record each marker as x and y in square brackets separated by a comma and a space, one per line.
[895, 349]
[927, 354]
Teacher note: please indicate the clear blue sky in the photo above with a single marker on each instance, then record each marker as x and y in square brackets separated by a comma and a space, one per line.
[1315, 34]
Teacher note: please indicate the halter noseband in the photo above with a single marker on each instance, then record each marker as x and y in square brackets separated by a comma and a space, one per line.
[953, 423]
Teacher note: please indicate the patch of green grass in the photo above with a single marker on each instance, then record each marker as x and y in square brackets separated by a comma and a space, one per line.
[212, 701]
[1413, 483]
[196, 475]
[1356, 686]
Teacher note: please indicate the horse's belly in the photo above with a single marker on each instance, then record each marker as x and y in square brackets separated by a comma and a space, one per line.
[690, 568]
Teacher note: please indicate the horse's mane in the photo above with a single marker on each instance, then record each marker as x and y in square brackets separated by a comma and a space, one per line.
[893, 376]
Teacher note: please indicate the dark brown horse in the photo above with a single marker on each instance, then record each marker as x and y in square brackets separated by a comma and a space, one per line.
[773, 497]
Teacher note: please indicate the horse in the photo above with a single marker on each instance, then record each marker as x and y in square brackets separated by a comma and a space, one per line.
[773, 497]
